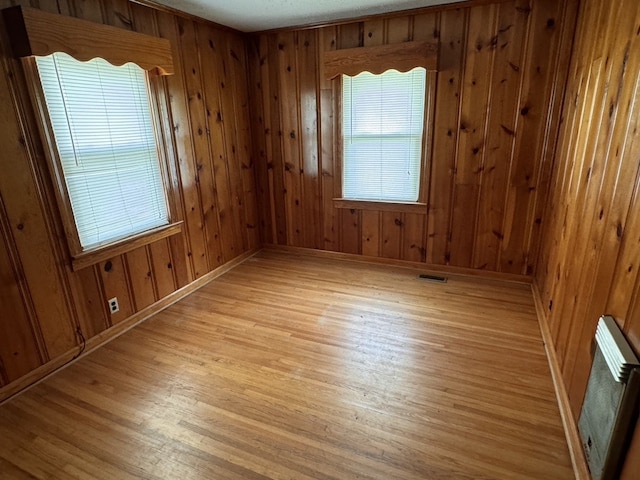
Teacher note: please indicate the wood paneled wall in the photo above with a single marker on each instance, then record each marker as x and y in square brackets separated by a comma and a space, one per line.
[497, 101]
[589, 262]
[206, 111]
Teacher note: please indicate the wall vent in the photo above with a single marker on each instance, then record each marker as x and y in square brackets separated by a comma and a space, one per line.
[611, 402]
[432, 278]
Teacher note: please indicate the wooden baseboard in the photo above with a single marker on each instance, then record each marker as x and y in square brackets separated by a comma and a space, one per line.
[41, 373]
[424, 267]
[578, 459]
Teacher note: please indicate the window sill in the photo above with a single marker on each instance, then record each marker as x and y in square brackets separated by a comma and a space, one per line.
[99, 254]
[403, 207]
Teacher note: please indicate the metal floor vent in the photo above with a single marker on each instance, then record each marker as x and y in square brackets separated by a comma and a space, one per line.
[611, 402]
[432, 278]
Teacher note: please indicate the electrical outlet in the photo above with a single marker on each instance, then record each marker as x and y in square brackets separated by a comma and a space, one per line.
[113, 305]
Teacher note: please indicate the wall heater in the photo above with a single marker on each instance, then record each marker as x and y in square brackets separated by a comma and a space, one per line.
[611, 403]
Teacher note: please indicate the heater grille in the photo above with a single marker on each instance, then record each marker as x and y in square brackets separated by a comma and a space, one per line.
[610, 402]
[615, 349]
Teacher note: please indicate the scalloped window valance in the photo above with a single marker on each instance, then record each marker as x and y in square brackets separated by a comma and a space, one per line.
[378, 59]
[33, 32]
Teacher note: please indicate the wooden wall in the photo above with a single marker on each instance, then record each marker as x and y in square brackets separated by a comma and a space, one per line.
[589, 262]
[497, 101]
[43, 303]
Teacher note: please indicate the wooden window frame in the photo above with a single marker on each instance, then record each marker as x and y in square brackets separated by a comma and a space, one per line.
[377, 60]
[32, 35]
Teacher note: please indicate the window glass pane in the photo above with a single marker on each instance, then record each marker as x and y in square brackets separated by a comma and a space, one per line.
[382, 127]
[104, 134]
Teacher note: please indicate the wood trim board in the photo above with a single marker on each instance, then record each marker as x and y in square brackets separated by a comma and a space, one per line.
[36, 376]
[380, 58]
[34, 32]
[574, 443]
[423, 267]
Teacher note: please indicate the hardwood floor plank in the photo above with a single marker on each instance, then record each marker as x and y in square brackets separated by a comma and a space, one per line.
[293, 366]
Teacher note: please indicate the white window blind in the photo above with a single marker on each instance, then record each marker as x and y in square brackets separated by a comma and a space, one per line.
[101, 119]
[382, 127]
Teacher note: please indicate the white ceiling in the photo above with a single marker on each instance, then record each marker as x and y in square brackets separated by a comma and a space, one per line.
[255, 15]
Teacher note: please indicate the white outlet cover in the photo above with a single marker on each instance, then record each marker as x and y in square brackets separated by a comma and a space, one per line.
[113, 305]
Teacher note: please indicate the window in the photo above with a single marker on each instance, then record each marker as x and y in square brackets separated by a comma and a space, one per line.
[382, 129]
[104, 135]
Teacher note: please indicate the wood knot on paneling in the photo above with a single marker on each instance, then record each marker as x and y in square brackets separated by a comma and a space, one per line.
[508, 130]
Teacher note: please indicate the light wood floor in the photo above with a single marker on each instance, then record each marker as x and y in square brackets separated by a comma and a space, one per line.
[294, 367]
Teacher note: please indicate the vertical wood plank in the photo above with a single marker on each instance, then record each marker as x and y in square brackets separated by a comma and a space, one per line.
[452, 41]
[426, 26]
[195, 242]
[239, 94]
[552, 134]
[231, 138]
[350, 240]
[413, 237]
[140, 277]
[330, 179]
[289, 115]
[275, 137]
[471, 148]
[207, 228]
[162, 268]
[540, 69]
[114, 277]
[89, 301]
[390, 244]
[259, 125]
[117, 13]
[399, 29]
[19, 352]
[371, 233]
[88, 10]
[307, 60]
[498, 152]
[212, 66]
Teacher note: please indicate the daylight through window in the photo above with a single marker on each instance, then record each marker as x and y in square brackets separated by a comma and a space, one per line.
[382, 126]
[104, 134]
